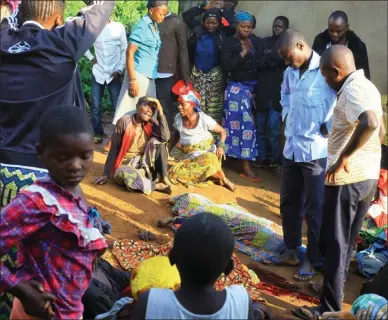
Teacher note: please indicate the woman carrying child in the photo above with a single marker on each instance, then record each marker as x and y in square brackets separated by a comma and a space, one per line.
[239, 60]
[200, 157]
[58, 235]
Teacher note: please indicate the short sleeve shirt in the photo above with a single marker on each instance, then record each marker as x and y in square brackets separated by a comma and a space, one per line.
[356, 96]
[146, 36]
[198, 134]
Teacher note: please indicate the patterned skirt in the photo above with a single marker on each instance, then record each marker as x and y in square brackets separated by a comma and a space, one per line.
[211, 87]
[238, 121]
[12, 180]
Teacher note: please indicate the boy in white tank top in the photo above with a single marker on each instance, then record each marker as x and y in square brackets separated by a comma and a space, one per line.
[202, 251]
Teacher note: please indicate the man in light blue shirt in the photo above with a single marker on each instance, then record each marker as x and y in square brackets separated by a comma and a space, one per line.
[142, 59]
[308, 104]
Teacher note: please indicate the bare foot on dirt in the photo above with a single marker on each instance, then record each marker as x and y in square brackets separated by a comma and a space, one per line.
[248, 172]
[163, 188]
[146, 235]
[229, 185]
[164, 222]
[165, 181]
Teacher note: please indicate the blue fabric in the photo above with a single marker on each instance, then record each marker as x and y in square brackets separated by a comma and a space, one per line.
[270, 119]
[149, 43]
[111, 315]
[238, 121]
[370, 307]
[206, 55]
[97, 92]
[307, 103]
[243, 16]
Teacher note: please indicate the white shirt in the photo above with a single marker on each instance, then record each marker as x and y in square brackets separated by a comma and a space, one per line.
[110, 49]
[198, 134]
[356, 96]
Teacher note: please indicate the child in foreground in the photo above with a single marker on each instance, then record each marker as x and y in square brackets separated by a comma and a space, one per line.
[57, 234]
[202, 251]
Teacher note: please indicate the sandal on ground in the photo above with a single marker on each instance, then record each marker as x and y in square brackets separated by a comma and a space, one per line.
[146, 235]
[253, 179]
[302, 276]
[307, 313]
[274, 261]
[261, 311]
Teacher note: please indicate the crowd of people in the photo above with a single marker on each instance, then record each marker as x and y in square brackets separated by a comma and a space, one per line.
[218, 92]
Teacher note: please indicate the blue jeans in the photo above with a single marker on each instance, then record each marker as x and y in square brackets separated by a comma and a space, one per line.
[271, 119]
[97, 91]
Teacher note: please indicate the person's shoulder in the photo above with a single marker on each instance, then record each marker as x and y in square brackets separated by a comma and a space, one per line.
[355, 39]
[323, 36]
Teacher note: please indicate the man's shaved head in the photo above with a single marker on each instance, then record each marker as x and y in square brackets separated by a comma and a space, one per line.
[293, 48]
[337, 63]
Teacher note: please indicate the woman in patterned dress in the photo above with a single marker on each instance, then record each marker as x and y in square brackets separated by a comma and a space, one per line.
[239, 60]
[204, 47]
[200, 157]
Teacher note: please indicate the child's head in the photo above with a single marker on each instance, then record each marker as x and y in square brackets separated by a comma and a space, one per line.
[280, 24]
[203, 249]
[66, 144]
[49, 13]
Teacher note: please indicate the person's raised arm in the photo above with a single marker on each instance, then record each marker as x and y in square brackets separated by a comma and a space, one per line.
[367, 124]
[79, 33]
[189, 16]
[20, 219]
[160, 128]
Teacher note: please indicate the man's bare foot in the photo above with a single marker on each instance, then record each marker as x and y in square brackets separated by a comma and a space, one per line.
[163, 188]
[165, 181]
[229, 185]
[248, 171]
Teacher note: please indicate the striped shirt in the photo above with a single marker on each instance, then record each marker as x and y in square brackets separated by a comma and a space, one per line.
[356, 96]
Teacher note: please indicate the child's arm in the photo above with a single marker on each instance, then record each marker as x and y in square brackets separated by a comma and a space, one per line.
[20, 219]
[79, 33]
[140, 306]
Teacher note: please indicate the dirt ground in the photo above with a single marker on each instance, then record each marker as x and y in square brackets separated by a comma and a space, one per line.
[128, 212]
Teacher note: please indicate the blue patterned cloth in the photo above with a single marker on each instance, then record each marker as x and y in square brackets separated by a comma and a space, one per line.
[238, 121]
[370, 307]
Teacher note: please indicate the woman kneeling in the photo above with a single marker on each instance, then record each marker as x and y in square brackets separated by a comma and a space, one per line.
[201, 159]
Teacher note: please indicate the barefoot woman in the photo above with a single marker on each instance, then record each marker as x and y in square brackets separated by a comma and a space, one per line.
[200, 156]
[239, 60]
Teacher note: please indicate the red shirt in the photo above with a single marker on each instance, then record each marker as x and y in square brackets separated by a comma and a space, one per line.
[56, 241]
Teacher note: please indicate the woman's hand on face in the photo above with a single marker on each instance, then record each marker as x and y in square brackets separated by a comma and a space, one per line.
[133, 89]
[246, 47]
[100, 180]
[220, 153]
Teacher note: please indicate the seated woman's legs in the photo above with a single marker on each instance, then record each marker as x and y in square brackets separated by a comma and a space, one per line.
[161, 159]
[220, 175]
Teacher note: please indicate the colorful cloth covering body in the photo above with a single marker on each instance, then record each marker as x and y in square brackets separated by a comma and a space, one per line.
[256, 237]
[370, 307]
[13, 179]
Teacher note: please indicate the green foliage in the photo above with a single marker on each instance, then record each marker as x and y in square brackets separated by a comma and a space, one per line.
[126, 12]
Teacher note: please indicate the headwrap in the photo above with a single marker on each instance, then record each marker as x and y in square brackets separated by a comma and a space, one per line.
[187, 94]
[156, 3]
[212, 13]
[243, 16]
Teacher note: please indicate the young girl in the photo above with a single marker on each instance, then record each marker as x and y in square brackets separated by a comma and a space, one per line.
[57, 234]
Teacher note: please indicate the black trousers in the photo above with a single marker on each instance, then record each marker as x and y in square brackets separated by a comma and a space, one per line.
[164, 95]
[301, 197]
[344, 211]
[161, 160]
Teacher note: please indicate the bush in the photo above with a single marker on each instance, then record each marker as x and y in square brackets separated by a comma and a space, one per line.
[126, 12]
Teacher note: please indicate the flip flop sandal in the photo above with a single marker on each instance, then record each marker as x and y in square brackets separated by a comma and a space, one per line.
[304, 276]
[274, 261]
[307, 313]
[256, 179]
[145, 235]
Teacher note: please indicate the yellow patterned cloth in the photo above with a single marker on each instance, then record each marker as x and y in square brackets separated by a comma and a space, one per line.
[155, 272]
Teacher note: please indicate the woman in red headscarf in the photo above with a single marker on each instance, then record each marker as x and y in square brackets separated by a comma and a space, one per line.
[200, 157]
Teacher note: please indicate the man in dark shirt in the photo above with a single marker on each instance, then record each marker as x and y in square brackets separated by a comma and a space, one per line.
[173, 62]
[39, 70]
[268, 109]
[338, 33]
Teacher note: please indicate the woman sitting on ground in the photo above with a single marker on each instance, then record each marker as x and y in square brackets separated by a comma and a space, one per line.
[196, 147]
[138, 152]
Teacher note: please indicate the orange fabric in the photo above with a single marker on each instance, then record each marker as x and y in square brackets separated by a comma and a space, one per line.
[127, 141]
[18, 312]
[225, 22]
[383, 181]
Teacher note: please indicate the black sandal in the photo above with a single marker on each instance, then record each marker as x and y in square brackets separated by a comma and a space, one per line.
[307, 313]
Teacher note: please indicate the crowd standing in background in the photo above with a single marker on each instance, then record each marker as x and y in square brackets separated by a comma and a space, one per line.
[235, 92]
